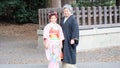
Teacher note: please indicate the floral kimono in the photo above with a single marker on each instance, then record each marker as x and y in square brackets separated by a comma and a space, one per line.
[53, 33]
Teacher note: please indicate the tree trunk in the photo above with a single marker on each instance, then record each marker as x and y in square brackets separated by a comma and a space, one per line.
[91, 3]
[68, 2]
[117, 2]
[54, 3]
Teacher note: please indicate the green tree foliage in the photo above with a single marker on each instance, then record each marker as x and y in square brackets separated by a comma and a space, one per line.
[21, 11]
[95, 3]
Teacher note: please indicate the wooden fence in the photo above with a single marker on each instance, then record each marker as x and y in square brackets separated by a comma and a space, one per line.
[87, 17]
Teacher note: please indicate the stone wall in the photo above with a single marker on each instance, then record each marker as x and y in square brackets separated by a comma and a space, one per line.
[93, 39]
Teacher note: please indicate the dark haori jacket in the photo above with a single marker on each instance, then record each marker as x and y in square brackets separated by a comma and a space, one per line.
[71, 31]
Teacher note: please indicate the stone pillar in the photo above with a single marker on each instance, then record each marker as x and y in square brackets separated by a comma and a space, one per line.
[40, 39]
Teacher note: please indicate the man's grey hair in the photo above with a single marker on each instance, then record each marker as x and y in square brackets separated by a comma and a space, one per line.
[69, 7]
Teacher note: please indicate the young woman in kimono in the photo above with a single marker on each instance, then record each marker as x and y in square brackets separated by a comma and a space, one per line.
[53, 37]
[71, 33]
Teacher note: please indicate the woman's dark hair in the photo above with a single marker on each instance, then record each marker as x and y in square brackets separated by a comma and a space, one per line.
[51, 13]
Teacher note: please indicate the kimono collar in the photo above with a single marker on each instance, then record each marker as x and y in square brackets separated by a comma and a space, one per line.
[68, 16]
[53, 24]
[65, 19]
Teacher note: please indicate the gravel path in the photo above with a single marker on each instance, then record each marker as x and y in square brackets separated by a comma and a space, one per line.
[18, 45]
[20, 51]
[25, 51]
[110, 54]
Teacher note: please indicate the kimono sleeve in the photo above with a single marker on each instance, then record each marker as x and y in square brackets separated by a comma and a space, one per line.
[75, 28]
[61, 33]
[46, 32]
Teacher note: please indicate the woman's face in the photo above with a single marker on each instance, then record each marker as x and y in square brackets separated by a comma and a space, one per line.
[53, 19]
[67, 12]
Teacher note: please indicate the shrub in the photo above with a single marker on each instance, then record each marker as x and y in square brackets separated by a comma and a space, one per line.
[21, 11]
